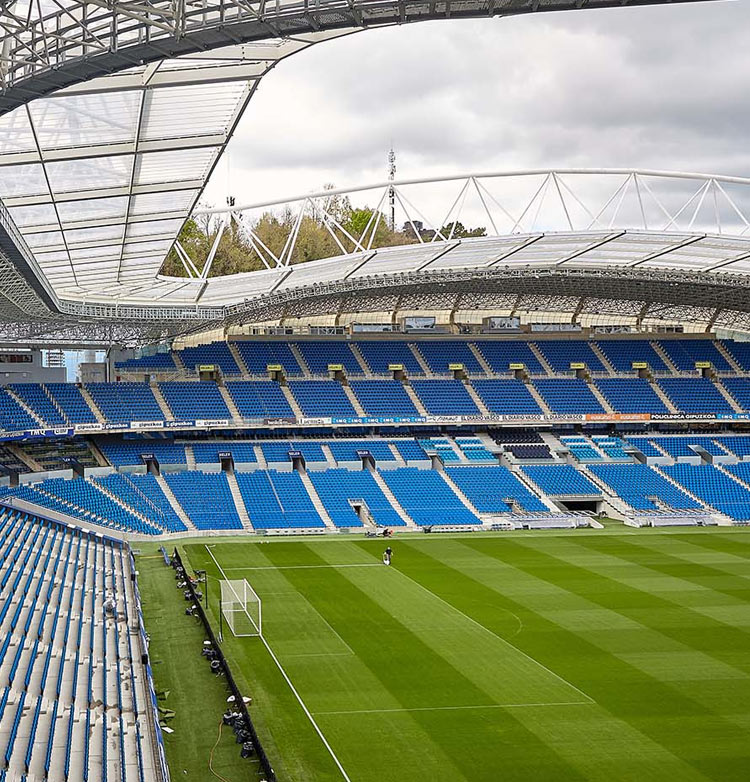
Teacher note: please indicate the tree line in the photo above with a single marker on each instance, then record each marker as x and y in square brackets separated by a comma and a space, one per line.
[243, 246]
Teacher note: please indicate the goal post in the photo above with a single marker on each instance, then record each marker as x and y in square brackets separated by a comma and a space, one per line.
[241, 608]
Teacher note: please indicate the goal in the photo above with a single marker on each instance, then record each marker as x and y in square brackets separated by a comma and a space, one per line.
[241, 608]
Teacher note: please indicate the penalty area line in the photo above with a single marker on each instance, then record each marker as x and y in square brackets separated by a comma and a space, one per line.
[307, 711]
[303, 567]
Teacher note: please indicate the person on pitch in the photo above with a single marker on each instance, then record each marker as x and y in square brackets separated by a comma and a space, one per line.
[387, 554]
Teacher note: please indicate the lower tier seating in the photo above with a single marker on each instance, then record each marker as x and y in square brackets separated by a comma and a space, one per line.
[340, 490]
[494, 489]
[560, 480]
[642, 487]
[206, 498]
[713, 487]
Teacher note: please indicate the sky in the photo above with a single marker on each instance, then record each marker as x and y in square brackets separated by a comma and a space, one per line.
[661, 87]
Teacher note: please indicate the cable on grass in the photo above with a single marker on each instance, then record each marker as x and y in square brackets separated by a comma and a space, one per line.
[211, 756]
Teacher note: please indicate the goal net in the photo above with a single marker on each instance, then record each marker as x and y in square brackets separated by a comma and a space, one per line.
[241, 608]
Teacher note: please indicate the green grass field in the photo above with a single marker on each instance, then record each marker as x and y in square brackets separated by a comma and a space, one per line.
[585, 656]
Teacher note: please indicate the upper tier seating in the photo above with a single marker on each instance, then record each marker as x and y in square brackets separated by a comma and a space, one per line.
[713, 487]
[506, 397]
[445, 397]
[383, 398]
[208, 452]
[739, 351]
[35, 397]
[561, 353]
[256, 356]
[346, 450]
[259, 399]
[321, 398]
[427, 498]
[694, 395]
[631, 395]
[568, 395]
[493, 489]
[189, 401]
[739, 388]
[206, 498]
[439, 355]
[216, 353]
[75, 701]
[70, 400]
[621, 353]
[336, 488]
[13, 418]
[125, 452]
[379, 354]
[318, 355]
[162, 362]
[644, 445]
[121, 403]
[143, 494]
[500, 354]
[683, 353]
[560, 479]
[642, 487]
[277, 500]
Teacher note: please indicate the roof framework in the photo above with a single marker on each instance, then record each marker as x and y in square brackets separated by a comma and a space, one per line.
[114, 113]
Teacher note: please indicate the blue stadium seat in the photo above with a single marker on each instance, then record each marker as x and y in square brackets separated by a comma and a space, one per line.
[684, 353]
[126, 452]
[631, 395]
[384, 398]
[190, 401]
[346, 450]
[739, 351]
[121, 403]
[506, 397]
[445, 397]
[714, 488]
[256, 356]
[494, 489]
[277, 500]
[378, 354]
[13, 418]
[642, 487]
[621, 353]
[321, 398]
[500, 354]
[206, 498]
[157, 362]
[216, 353]
[439, 354]
[739, 388]
[427, 498]
[259, 399]
[34, 395]
[695, 395]
[318, 355]
[561, 353]
[70, 400]
[560, 479]
[568, 395]
[338, 488]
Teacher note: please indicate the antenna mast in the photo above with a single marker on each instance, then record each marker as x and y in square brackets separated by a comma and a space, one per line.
[391, 190]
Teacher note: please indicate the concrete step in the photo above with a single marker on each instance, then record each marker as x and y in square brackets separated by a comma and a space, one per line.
[728, 356]
[599, 353]
[420, 360]
[476, 398]
[540, 358]
[538, 398]
[600, 397]
[238, 502]
[351, 396]
[300, 359]
[416, 401]
[730, 399]
[176, 507]
[162, 402]
[663, 356]
[190, 457]
[42, 423]
[296, 409]
[659, 391]
[90, 402]
[229, 402]
[52, 399]
[480, 358]
[237, 357]
[392, 499]
[316, 501]
[360, 358]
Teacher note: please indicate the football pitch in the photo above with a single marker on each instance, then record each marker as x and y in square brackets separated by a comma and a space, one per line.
[604, 656]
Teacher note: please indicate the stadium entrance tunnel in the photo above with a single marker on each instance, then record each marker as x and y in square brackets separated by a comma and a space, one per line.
[594, 506]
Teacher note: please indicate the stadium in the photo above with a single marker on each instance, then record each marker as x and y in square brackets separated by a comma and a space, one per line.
[399, 499]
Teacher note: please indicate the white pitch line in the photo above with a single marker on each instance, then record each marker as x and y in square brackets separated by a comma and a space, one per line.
[451, 708]
[304, 567]
[292, 687]
[499, 637]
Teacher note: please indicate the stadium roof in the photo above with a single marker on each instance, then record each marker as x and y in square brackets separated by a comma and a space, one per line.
[97, 177]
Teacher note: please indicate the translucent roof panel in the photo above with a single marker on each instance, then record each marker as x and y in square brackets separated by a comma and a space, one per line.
[24, 180]
[74, 176]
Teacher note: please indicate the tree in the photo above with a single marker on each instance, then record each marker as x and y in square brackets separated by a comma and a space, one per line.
[460, 232]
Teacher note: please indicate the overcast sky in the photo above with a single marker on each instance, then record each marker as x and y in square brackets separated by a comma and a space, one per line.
[659, 87]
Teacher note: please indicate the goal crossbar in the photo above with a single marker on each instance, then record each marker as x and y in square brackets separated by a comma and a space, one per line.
[241, 607]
